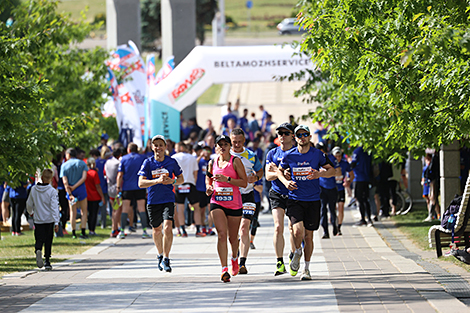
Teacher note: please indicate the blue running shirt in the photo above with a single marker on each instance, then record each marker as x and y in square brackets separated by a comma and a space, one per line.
[330, 182]
[152, 169]
[201, 175]
[345, 169]
[275, 156]
[129, 166]
[300, 166]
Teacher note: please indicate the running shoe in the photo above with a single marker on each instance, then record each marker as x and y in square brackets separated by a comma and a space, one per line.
[166, 265]
[243, 270]
[295, 264]
[252, 246]
[235, 267]
[225, 277]
[121, 235]
[185, 234]
[145, 235]
[114, 233]
[132, 229]
[82, 236]
[306, 275]
[339, 233]
[212, 233]
[360, 223]
[326, 236]
[201, 234]
[48, 266]
[74, 236]
[92, 233]
[370, 224]
[39, 261]
[280, 268]
[160, 260]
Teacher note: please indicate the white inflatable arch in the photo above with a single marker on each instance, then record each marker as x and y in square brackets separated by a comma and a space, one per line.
[205, 66]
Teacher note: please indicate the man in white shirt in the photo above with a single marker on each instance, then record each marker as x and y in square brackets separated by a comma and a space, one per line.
[187, 190]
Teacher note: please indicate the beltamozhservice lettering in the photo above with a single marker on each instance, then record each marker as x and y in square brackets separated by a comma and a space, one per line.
[261, 63]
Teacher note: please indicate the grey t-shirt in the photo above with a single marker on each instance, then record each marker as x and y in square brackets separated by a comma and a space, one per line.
[111, 168]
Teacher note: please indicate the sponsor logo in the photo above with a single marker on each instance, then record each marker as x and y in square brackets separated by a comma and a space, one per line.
[261, 63]
[303, 163]
[179, 91]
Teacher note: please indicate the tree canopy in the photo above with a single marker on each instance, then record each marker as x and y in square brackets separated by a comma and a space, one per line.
[50, 91]
[395, 73]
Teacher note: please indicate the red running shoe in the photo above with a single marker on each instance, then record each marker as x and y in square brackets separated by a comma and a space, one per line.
[235, 267]
[225, 276]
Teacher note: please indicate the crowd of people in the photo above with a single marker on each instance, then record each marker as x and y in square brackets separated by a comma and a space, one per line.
[213, 182]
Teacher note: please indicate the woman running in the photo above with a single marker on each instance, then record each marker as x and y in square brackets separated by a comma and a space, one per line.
[225, 175]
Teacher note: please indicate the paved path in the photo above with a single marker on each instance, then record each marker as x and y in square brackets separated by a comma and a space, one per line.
[354, 272]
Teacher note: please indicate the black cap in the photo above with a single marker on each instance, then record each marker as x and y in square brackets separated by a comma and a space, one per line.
[223, 137]
[287, 126]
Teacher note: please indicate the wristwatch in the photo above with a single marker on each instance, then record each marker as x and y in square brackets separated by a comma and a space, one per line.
[229, 179]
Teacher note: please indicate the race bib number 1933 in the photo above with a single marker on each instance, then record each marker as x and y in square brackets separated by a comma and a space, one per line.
[223, 194]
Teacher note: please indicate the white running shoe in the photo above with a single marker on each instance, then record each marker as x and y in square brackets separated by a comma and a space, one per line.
[306, 275]
[295, 264]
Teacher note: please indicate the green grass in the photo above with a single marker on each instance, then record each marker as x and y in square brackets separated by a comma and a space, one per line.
[414, 228]
[211, 95]
[17, 253]
[76, 6]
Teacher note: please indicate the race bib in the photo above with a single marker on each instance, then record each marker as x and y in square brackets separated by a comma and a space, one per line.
[339, 179]
[184, 188]
[249, 208]
[223, 194]
[204, 170]
[160, 172]
[301, 173]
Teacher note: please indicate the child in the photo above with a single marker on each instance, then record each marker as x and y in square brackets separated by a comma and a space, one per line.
[44, 201]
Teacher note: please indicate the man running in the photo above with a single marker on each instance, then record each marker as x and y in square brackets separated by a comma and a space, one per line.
[344, 177]
[127, 181]
[278, 192]
[306, 164]
[156, 175]
[187, 190]
[254, 171]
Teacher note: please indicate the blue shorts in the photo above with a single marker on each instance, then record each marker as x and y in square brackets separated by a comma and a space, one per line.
[79, 193]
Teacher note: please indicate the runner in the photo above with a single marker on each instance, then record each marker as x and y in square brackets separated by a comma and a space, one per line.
[127, 181]
[225, 176]
[278, 193]
[303, 204]
[203, 159]
[156, 175]
[187, 190]
[254, 171]
[343, 180]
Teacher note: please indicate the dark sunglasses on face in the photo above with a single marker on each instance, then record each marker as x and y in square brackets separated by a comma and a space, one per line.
[302, 135]
[281, 133]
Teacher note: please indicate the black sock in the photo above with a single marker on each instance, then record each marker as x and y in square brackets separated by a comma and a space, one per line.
[280, 260]
[73, 233]
[339, 226]
[83, 232]
[242, 261]
[182, 229]
[143, 220]
[123, 220]
[198, 228]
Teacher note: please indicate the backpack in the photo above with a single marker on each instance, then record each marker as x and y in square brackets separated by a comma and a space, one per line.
[447, 222]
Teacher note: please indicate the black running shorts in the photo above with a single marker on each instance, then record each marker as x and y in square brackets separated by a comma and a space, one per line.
[228, 212]
[277, 200]
[184, 191]
[247, 209]
[341, 196]
[138, 194]
[160, 212]
[304, 211]
[204, 199]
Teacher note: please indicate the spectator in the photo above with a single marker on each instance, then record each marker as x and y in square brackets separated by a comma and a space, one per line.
[94, 194]
[243, 122]
[104, 142]
[231, 125]
[226, 118]
[73, 173]
[18, 197]
[43, 201]
[208, 131]
[111, 169]
[264, 116]
[253, 125]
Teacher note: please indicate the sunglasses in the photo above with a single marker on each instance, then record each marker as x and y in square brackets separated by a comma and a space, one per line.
[302, 135]
[281, 133]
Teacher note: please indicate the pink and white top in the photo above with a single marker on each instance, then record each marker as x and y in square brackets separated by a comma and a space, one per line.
[226, 194]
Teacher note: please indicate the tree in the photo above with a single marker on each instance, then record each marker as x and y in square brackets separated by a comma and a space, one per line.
[205, 12]
[50, 91]
[397, 71]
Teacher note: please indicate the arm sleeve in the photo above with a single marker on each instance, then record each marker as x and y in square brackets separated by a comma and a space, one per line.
[30, 202]
[55, 206]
